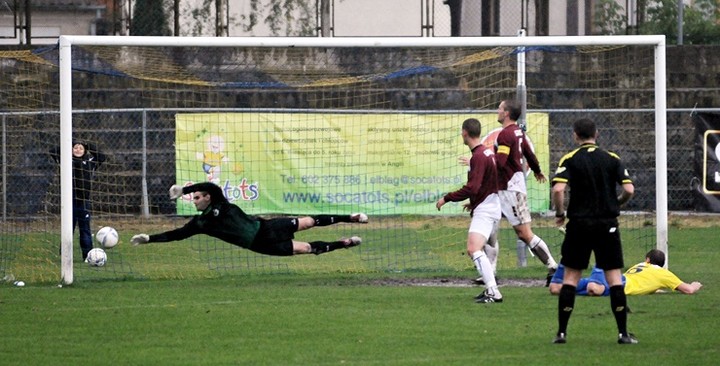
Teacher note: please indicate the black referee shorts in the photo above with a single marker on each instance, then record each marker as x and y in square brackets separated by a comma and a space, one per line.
[599, 236]
[275, 237]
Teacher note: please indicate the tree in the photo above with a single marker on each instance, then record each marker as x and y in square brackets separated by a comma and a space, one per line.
[283, 17]
[149, 19]
[609, 17]
[700, 21]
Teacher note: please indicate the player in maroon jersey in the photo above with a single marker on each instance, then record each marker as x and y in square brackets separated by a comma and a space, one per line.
[511, 147]
[484, 206]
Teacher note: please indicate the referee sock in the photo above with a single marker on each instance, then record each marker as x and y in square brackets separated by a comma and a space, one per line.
[325, 220]
[320, 247]
[566, 303]
[618, 302]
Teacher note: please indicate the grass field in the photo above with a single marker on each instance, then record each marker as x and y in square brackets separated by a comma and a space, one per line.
[357, 319]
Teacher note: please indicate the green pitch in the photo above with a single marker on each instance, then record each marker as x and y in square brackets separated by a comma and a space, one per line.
[357, 319]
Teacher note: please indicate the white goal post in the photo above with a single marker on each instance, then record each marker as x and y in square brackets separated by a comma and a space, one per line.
[66, 44]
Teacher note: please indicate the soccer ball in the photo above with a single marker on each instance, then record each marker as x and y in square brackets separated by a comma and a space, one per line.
[107, 237]
[96, 257]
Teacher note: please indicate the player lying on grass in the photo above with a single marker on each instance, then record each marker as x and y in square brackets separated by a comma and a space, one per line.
[223, 220]
[644, 278]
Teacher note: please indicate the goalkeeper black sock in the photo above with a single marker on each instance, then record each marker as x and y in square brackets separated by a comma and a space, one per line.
[320, 247]
[618, 302]
[325, 220]
[566, 303]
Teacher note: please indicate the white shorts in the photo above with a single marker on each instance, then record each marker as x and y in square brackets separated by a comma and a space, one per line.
[515, 207]
[486, 217]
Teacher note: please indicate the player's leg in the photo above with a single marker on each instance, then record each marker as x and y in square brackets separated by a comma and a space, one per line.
[566, 301]
[320, 247]
[597, 285]
[481, 228]
[575, 257]
[325, 220]
[520, 248]
[276, 237]
[515, 208]
[492, 248]
[609, 257]
[556, 281]
[83, 222]
[536, 244]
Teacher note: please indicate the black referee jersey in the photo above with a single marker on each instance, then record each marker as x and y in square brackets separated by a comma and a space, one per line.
[593, 175]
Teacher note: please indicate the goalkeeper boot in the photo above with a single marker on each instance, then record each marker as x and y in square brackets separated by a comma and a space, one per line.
[352, 241]
[560, 338]
[359, 217]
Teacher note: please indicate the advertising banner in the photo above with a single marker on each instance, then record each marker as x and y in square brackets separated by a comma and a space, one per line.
[707, 162]
[311, 163]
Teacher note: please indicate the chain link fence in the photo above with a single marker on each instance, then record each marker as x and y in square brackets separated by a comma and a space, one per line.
[139, 144]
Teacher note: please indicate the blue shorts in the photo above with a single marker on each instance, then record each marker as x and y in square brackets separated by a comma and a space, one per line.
[597, 275]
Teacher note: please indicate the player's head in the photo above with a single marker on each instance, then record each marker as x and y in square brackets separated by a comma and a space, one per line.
[656, 257]
[471, 129]
[207, 191]
[78, 149]
[585, 129]
[509, 109]
[201, 200]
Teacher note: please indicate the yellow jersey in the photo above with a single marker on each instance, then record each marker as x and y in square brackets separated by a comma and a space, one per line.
[645, 278]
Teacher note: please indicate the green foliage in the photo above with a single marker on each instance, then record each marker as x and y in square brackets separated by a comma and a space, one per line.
[286, 17]
[609, 17]
[149, 19]
[701, 21]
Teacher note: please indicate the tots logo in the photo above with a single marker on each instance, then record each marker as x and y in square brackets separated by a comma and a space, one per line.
[244, 191]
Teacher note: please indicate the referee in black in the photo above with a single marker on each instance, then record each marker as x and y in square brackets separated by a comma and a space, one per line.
[592, 174]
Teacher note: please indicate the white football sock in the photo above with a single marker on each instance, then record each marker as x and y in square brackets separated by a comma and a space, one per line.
[492, 254]
[482, 263]
[539, 245]
[521, 253]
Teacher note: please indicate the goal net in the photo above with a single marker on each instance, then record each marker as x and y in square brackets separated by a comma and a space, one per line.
[294, 127]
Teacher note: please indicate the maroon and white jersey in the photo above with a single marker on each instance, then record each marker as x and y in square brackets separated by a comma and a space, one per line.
[511, 147]
[482, 178]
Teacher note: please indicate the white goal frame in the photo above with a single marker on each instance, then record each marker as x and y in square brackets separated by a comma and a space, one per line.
[66, 112]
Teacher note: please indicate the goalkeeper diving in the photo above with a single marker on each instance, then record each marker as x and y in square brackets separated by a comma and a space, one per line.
[223, 220]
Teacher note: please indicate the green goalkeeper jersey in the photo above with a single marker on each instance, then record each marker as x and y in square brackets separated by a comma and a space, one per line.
[221, 220]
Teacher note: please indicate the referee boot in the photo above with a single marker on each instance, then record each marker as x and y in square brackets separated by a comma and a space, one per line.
[627, 339]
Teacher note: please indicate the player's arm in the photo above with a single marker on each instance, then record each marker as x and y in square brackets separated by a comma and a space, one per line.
[628, 189]
[559, 183]
[502, 154]
[532, 161]
[181, 233]
[689, 288]
[94, 151]
[558, 200]
[475, 178]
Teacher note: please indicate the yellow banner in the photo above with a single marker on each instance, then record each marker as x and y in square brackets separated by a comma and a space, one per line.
[311, 163]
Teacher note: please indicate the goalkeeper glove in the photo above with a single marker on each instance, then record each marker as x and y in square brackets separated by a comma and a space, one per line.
[175, 192]
[140, 239]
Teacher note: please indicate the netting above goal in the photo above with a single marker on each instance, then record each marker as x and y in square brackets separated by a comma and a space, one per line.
[322, 127]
